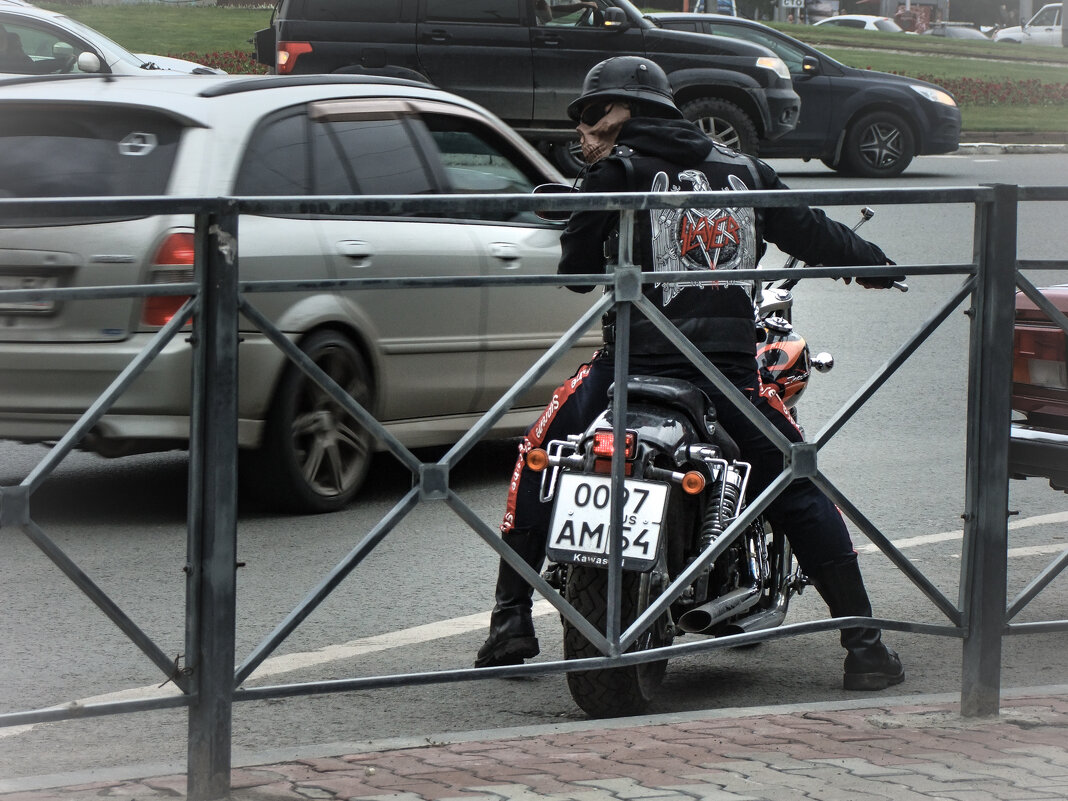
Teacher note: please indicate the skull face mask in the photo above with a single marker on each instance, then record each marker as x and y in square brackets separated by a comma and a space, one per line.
[599, 136]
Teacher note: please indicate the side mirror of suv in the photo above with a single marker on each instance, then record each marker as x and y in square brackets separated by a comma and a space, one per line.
[810, 65]
[615, 18]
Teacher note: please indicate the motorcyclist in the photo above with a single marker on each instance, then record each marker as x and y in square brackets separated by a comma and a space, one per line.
[634, 139]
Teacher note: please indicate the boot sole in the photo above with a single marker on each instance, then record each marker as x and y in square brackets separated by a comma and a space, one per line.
[510, 652]
[871, 681]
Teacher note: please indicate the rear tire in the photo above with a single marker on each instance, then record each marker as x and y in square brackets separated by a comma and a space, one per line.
[616, 691]
[725, 122]
[314, 456]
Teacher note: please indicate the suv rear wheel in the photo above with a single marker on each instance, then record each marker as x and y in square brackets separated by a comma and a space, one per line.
[314, 455]
[723, 121]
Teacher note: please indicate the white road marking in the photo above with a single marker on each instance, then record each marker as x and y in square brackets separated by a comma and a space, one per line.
[428, 632]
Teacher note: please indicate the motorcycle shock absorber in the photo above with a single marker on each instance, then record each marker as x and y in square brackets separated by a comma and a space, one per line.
[720, 511]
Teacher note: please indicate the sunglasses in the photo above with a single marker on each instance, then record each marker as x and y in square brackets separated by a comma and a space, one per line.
[593, 113]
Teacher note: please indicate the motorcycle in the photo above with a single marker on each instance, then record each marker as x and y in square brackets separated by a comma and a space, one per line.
[684, 485]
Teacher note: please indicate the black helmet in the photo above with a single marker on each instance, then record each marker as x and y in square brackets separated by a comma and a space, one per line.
[628, 78]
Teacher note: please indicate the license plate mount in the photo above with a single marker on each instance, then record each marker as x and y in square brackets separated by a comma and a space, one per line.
[580, 523]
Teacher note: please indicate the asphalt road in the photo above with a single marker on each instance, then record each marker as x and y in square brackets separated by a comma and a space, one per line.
[420, 602]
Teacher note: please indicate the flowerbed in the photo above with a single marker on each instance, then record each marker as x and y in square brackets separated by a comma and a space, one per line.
[979, 92]
[235, 62]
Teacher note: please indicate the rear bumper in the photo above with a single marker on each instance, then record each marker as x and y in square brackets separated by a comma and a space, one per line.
[1039, 452]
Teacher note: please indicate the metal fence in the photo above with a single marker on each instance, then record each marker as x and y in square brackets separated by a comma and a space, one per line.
[208, 680]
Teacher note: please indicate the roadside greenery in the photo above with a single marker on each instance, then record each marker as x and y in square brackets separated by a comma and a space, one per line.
[999, 87]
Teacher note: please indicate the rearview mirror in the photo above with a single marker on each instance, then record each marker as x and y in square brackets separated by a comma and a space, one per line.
[88, 62]
[553, 215]
[614, 17]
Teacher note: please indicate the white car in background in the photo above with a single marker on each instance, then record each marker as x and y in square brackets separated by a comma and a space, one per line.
[1044, 28]
[41, 42]
[863, 22]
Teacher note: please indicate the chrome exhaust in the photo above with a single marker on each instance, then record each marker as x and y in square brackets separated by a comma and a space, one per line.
[705, 617]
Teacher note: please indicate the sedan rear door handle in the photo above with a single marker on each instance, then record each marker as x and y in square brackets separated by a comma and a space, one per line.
[357, 251]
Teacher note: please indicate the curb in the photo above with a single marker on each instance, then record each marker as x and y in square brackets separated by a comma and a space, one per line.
[995, 148]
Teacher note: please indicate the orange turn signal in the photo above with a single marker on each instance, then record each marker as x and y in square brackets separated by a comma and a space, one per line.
[538, 460]
[693, 482]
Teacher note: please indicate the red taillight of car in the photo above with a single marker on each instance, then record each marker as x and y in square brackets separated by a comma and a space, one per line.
[603, 444]
[288, 53]
[173, 265]
[1040, 357]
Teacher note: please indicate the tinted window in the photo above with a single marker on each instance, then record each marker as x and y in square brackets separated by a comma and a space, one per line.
[352, 10]
[789, 53]
[367, 157]
[73, 152]
[276, 161]
[473, 10]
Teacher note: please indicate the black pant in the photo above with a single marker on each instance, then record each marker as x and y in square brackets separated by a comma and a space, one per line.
[802, 512]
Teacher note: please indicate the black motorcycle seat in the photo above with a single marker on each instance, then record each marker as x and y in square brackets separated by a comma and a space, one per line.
[674, 393]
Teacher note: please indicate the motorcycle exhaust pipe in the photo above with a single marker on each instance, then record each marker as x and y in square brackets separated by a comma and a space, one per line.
[768, 619]
[703, 618]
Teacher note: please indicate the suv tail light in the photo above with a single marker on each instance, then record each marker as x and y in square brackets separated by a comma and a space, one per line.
[173, 265]
[1039, 357]
[288, 53]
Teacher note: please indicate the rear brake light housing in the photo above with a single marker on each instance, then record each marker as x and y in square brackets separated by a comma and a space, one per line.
[173, 264]
[604, 441]
[1040, 356]
[288, 53]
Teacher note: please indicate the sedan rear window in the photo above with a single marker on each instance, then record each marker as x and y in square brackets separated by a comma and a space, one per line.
[71, 151]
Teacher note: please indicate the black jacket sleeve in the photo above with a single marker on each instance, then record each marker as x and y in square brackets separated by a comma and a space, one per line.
[810, 235]
[582, 241]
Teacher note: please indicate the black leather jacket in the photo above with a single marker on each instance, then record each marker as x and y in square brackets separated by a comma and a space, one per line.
[664, 155]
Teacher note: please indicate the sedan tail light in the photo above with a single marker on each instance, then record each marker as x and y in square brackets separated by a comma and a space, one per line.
[173, 265]
[1039, 357]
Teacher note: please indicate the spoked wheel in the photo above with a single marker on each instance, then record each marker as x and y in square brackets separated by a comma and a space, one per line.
[315, 456]
[616, 691]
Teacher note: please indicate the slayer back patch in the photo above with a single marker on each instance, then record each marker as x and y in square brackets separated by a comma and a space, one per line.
[716, 239]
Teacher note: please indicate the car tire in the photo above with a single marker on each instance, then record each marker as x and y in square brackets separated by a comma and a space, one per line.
[314, 456]
[567, 156]
[725, 122]
[878, 145]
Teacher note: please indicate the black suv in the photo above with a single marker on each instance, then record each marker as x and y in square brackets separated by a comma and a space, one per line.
[525, 60]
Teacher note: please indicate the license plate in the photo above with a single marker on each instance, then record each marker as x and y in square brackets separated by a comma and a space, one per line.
[579, 531]
[27, 282]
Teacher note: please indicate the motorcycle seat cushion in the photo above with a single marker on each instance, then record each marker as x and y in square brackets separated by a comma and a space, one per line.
[675, 393]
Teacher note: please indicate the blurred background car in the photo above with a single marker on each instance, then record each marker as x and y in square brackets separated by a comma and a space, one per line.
[427, 362]
[859, 122]
[1039, 442]
[955, 30]
[864, 22]
[1044, 28]
[42, 42]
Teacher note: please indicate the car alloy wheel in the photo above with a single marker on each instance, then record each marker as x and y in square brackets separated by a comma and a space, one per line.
[724, 122]
[879, 145]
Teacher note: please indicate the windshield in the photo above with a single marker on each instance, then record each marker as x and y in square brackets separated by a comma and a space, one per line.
[101, 41]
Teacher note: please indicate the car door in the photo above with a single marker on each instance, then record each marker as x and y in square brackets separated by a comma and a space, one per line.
[519, 322]
[813, 85]
[479, 49]
[565, 50]
[1045, 27]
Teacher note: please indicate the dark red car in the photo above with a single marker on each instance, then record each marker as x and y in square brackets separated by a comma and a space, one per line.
[1039, 443]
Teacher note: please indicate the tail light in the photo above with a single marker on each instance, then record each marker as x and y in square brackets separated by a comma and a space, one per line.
[173, 265]
[693, 483]
[604, 441]
[1040, 356]
[288, 53]
[538, 459]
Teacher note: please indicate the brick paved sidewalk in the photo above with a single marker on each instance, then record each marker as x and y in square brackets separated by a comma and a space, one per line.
[905, 749]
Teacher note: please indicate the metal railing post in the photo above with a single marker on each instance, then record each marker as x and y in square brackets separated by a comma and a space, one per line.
[984, 562]
[213, 509]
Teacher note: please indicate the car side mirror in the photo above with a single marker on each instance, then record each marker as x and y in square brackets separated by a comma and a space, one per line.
[88, 62]
[553, 215]
[810, 65]
[615, 18]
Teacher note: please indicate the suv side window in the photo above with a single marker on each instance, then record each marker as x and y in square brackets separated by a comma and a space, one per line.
[493, 11]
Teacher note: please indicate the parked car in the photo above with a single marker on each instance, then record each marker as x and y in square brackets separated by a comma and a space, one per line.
[1039, 442]
[1044, 28]
[862, 22]
[42, 42]
[426, 362]
[858, 122]
[955, 30]
[738, 92]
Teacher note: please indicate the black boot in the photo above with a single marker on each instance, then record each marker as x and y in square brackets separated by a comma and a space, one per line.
[869, 665]
[511, 634]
